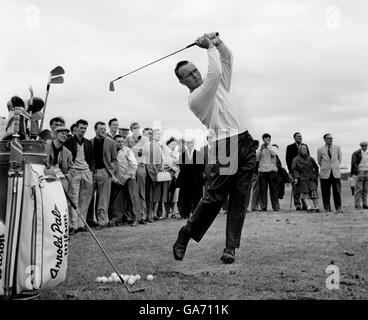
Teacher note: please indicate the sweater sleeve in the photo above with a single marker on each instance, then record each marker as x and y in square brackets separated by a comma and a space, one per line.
[202, 99]
[226, 58]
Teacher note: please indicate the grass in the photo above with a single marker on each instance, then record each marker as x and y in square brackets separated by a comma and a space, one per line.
[283, 255]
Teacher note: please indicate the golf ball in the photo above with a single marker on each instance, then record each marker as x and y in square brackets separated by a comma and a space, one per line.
[137, 277]
[126, 277]
[114, 275]
[110, 279]
[131, 281]
[116, 279]
[103, 279]
[99, 279]
[150, 277]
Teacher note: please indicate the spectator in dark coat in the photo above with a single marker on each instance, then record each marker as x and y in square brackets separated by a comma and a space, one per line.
[190, 179]
[291, 152]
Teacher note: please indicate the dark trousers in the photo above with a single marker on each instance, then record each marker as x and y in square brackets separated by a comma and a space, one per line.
[233, 179]
[125, 202]
[326, 192]
[297, 202]
[268, 180]
[189, 196]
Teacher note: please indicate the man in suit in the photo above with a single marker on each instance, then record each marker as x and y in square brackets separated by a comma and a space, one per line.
[80, 184]
[104, 154]
[329, 159]
[190, 179]
[359, 172]
[291, 152]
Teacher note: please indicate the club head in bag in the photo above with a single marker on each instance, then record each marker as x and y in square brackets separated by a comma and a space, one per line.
[57, 71]
[35, 104]
[112, 88]
[59, 79]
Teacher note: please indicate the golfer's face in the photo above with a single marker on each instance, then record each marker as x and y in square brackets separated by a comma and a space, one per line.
[190, 76]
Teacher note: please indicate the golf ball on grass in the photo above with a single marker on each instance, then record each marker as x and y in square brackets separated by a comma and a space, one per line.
[131, 280]
[150, 277]
[99, 279]
[103, 279]
[110, 279]
[137, 277]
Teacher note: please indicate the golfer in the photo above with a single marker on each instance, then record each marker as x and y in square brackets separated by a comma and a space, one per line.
[209, 100]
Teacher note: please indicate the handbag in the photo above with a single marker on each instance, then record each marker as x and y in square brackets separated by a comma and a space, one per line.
[163, 176]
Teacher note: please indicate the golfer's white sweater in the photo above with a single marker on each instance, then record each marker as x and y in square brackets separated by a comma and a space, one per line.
[211, 101]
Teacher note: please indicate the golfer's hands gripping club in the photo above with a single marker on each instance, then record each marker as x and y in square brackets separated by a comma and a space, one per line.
[208, 40]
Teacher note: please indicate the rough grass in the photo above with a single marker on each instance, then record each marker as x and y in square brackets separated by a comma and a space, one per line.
[283, 255]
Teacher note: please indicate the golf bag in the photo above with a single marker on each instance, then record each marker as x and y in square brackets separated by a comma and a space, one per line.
[33, 223]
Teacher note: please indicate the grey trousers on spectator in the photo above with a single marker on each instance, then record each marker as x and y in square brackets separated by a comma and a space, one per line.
[99, 205]
[361, 189]
[80, 190]
[141, 184]
[236, 184]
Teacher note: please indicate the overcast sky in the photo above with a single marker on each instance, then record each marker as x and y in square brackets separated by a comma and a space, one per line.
[299, 65]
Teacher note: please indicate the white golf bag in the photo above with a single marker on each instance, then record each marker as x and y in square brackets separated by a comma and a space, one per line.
[34, 233]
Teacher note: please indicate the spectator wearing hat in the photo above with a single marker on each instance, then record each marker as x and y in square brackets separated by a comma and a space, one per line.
[59, 158]
[124, 132]
[359, 171]
[329, 159]
[80, 184]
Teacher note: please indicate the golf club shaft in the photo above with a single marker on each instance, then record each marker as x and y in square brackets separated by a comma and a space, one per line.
[99, 244]
[44, 107]
[191, 45]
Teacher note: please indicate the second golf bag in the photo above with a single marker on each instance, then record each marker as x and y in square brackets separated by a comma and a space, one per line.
[33, 232]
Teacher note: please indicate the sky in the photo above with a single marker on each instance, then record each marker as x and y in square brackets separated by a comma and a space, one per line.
[299, 65]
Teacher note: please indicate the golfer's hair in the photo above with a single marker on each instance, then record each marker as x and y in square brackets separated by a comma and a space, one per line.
[99, 123]
[325, 135]
[266, 135]
[57, 119]
[133, 124]
[117, 136]
[294, 135]
[178, 66]
[82, 122]
[170, 140]
[112, 120]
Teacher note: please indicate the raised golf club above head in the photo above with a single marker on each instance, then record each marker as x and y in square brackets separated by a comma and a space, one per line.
[112, 87]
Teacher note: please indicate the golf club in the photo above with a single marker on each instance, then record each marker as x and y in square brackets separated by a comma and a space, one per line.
[112, 87]
[99, 244]
[54, 77]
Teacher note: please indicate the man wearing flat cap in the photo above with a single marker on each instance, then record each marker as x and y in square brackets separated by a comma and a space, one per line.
[59, 158]
[359, 170]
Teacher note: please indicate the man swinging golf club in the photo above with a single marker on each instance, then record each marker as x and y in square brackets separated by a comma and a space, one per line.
[232, 172]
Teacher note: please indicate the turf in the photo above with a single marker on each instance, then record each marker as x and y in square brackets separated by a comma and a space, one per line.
[283, 255]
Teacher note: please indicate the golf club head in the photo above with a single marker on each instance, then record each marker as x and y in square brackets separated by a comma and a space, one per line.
[57, 71]
[35, 104]
[59, 79]
[112, 88]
